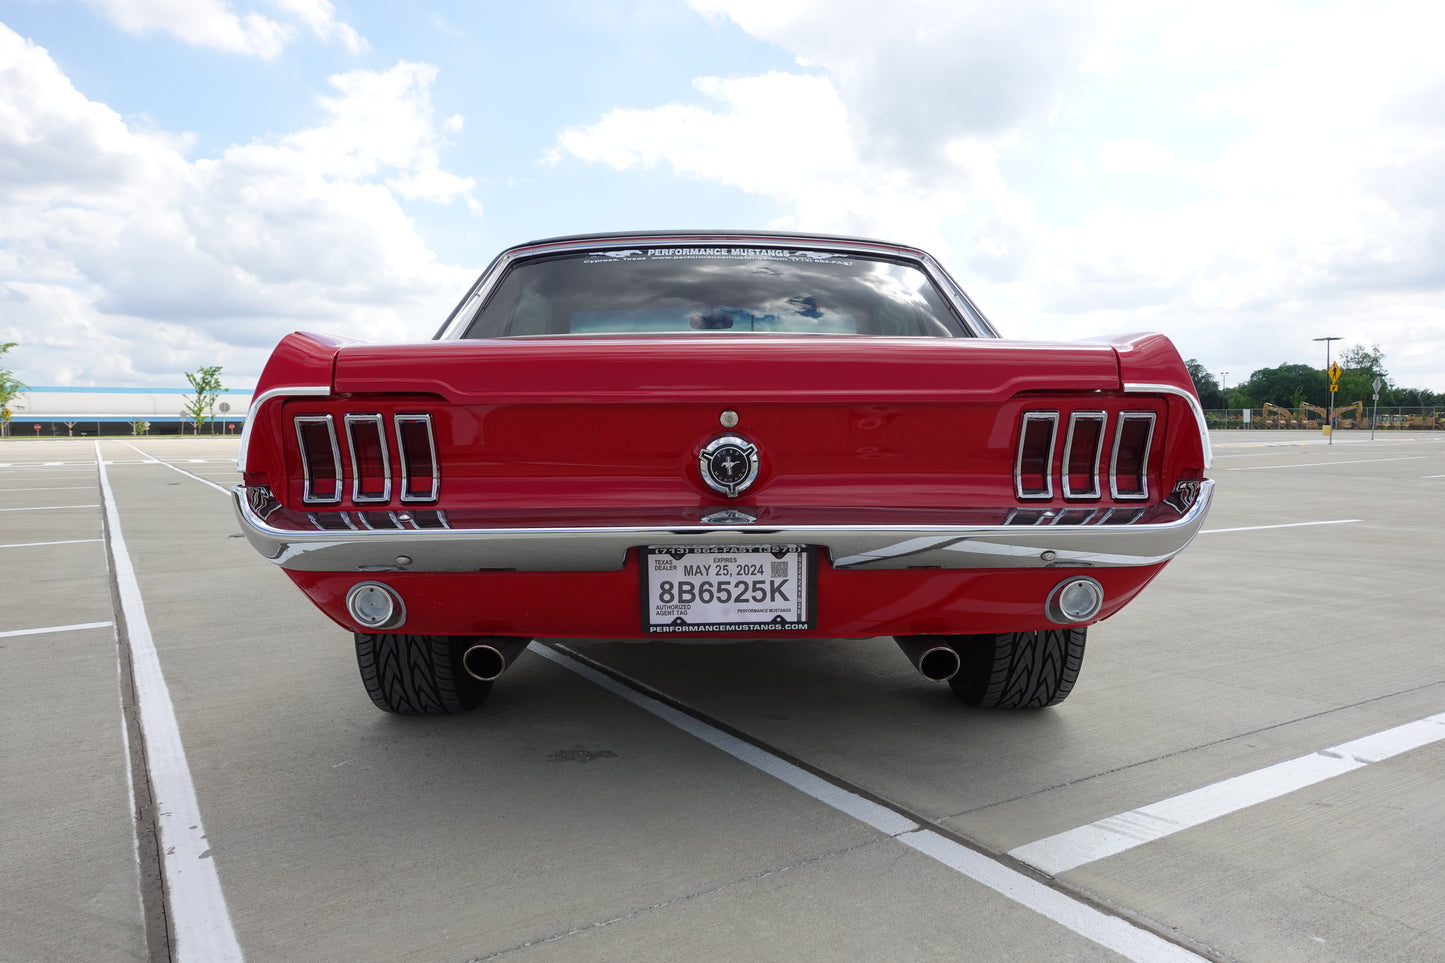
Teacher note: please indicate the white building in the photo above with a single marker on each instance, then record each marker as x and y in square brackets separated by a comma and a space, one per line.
[58, 411]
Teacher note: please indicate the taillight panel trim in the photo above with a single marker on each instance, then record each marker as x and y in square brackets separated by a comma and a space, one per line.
[1091, 467]
[372, 458]
[408, 454]
[312, 474]
[1031, 485]
[1136, 487]
[359, 423]
[1097, 452]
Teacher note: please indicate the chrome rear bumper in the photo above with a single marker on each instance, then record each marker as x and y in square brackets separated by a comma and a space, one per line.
[582, 549]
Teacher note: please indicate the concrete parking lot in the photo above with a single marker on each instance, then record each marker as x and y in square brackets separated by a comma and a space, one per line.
[1248, 769]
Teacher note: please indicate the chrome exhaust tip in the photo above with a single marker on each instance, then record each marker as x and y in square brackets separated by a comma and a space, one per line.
[934, 658]
[486, 661]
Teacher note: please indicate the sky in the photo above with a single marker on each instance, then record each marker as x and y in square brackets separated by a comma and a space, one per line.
[183, 182]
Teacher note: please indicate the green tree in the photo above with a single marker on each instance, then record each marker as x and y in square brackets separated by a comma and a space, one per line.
[11, 388]
[1360, 367]
[1205, 386]
[206, 382]
[1290, 384]
[1286, 385]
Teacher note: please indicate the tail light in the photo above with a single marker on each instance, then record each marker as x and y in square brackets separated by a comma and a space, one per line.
[320, 459]
[1085, 441]
[1129, 468]
[368, 457]
[1034, 467]
[420, 479]
[1082, 451]
[370, 462]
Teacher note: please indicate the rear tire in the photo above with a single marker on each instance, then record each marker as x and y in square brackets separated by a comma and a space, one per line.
[417, 674]
[1017, 670]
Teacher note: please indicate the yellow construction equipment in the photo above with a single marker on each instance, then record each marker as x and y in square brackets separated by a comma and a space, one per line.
[1351, 415]
[1278, 417]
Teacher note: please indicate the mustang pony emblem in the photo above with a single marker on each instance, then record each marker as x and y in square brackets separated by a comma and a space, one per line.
[728, 464]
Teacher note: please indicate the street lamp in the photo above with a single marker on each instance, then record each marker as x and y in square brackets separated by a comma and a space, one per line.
[1332, 394]
[1224, 394]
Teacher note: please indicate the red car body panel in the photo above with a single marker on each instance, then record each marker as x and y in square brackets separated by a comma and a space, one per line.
[604, 432]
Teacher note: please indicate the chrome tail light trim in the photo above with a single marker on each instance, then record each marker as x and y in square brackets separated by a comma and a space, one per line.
[1036, 482]
[416, 447]
[1187, 396]
[366, 488]
[1127, 441]
[1088, 451]
[313, 476]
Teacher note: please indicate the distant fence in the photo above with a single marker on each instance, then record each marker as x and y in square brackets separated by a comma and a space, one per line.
[1391, 419]
[50, 427]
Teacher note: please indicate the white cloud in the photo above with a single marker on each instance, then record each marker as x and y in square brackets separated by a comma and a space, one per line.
[774, 134]
[787, 136]
[917, 74]
[320, 16]
[1286, 176]
[202, 23]
[1133, 154]
[127, 262]
[381, 121]
[216, 25]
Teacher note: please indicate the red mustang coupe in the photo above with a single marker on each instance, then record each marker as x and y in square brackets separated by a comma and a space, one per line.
[771, 436]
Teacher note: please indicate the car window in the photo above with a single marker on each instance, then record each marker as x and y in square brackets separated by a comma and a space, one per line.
[713, 290]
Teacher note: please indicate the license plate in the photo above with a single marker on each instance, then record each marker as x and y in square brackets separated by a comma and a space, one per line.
[722, 589]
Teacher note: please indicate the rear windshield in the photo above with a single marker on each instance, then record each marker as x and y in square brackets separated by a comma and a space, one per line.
[711, 290]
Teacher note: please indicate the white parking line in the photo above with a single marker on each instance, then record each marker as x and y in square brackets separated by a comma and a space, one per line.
[1115, 834]
[1111, 932]
[202, 924]
[220, 488]
[52, 488]
[68, 541]
[1325, 464]
[47, 508]
[15, 633]
[1260, 528]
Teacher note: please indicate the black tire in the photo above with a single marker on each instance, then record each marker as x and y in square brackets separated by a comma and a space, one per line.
[418, 674]
[1017, 670]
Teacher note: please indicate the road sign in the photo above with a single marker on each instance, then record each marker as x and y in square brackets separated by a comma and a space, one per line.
[1334, 375]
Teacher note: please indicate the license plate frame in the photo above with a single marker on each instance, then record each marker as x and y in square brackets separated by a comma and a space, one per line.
[750, 588]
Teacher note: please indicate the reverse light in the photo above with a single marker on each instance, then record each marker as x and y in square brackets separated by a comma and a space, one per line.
[375, 606]
[1075, 600]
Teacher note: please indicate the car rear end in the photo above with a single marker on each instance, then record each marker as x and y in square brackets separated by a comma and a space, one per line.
[637, 464]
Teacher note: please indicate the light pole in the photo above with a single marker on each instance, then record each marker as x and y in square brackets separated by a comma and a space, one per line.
[1224, 393]
[1331, 422]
